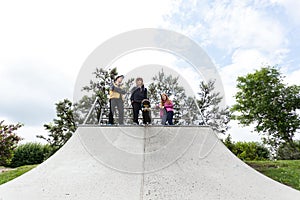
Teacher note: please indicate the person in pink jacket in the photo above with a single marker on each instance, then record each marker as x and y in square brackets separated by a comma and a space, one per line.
[166, 110]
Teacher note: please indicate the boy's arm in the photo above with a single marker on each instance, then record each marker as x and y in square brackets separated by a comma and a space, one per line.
[111, 87]
[119, 90]
[133, 89]
[132, 92]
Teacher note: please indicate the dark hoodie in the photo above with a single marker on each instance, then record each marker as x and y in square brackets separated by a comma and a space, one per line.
[138, 94]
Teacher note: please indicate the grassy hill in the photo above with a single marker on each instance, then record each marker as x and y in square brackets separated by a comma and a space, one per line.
[284, 171]
[7, 174]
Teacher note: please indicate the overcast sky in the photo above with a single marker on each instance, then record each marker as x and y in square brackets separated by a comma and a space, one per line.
[43, 45]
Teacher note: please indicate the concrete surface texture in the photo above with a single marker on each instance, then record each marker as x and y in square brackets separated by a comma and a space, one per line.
[136, 163]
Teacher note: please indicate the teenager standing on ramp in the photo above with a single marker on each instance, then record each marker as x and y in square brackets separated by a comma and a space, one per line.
[166, 110]
[116, 99]
[138, 94]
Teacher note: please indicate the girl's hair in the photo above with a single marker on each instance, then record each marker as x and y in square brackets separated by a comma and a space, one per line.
[166, 101]
[139, 79]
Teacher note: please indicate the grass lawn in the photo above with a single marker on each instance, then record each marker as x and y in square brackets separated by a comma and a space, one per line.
[284, 171]
[9, 174]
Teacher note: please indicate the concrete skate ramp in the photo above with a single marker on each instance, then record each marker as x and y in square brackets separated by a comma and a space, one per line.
[146, 163]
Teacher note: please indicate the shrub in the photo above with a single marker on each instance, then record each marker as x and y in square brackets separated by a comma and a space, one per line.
[289, 151]
[30, 153]
[251, 151]
[247, 150]
[8, 141]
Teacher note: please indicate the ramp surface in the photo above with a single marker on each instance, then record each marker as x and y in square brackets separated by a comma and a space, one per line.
[136, 163]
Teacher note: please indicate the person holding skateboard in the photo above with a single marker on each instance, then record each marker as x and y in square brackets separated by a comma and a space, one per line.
[138, 94]
[116, 99]
[166, 110]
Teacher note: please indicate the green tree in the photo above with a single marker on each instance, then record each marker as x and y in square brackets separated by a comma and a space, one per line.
[8, 141]
[265, 101]
[209, 105]
[63, 127]
[286, 151]
[162, 83]
[98, 87]
[185, 107]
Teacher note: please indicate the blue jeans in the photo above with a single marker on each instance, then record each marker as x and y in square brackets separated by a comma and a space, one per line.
[164, 117]
[120, 106]
[170, 117]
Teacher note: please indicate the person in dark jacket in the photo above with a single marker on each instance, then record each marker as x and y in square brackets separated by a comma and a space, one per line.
[138, 94]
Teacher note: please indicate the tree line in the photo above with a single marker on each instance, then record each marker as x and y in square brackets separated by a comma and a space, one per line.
[262, 100]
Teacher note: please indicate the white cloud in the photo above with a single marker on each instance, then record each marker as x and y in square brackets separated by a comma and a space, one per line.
[30, 91]
[293, 77]
[244, 34]
[155, 57]
[43, 45]
[292, 8]
[27, 133]
[240, 133]
[239, 25]
[243, 62]
[230, 25]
